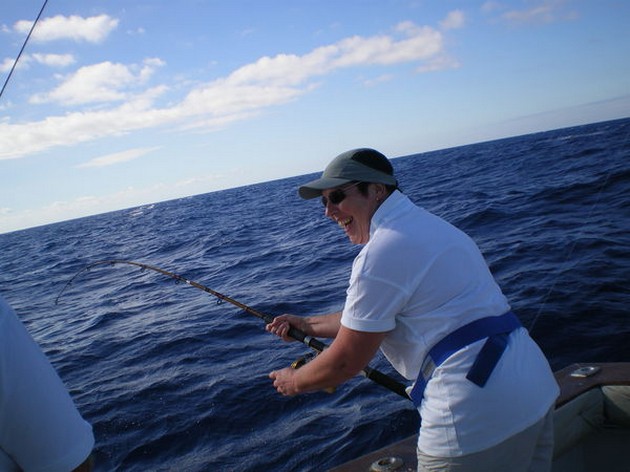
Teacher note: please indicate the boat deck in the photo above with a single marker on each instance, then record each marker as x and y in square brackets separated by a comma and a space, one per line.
[599, 450]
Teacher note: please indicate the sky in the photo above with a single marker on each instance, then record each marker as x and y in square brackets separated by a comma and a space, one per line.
[116, 104]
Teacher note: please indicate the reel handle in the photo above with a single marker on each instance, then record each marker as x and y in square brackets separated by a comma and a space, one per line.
[302, 361]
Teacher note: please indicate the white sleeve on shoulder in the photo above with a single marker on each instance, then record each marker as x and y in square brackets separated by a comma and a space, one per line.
[40, 427]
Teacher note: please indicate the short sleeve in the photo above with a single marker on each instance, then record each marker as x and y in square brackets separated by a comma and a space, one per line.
[40, 427]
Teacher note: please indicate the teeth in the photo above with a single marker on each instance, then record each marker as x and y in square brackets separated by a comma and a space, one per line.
[344, 223]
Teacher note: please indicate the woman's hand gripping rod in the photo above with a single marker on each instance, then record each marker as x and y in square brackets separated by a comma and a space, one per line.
[314, 343]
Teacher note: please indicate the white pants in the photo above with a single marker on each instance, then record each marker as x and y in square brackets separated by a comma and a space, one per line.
[530, 450]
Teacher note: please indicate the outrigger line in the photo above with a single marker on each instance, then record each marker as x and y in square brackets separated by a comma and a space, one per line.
[23, 47]
[314, 343]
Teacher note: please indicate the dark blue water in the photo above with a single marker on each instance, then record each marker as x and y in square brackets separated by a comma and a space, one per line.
[172, 381]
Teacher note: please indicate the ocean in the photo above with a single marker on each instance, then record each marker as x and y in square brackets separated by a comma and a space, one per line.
[171, 380]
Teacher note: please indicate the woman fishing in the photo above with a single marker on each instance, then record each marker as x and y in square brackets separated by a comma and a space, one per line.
[421, 291]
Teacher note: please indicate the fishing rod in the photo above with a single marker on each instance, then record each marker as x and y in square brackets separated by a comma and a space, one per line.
[314, 343]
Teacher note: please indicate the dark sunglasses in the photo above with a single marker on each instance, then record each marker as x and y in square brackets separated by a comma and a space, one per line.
[337, 196]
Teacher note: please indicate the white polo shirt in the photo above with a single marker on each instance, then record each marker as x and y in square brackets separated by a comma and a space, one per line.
[420, 278]
[40, 428]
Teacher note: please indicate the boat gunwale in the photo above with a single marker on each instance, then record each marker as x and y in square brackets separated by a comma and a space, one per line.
[571, 387]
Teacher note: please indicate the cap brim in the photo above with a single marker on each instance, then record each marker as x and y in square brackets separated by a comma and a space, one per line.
[314, 189]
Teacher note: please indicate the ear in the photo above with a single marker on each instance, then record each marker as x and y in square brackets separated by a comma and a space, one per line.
[380, 191]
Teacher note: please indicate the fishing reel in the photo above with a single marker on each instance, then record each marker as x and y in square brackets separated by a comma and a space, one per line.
[302, 361]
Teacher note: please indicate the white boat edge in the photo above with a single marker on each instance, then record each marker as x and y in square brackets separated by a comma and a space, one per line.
[591, 421]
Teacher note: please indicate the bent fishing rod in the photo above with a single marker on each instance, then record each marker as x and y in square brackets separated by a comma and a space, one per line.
[314, 343]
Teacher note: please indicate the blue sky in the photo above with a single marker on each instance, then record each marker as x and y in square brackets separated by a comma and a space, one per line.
[116, 104]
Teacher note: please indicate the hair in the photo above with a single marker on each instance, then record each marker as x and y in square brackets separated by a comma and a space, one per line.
[377, 161]
[363, 188]
[374, 160]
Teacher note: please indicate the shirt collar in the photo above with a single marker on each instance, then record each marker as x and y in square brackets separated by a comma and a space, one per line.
[391, 207]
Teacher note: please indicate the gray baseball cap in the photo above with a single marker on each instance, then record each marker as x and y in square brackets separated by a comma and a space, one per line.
[356, 165]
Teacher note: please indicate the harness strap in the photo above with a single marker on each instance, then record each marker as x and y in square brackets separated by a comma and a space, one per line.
[495, 328]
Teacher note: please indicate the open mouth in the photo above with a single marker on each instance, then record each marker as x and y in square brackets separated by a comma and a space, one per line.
[344, 223]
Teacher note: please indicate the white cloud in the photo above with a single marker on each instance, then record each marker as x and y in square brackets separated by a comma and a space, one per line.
[11, 220]
[385, 50]
[490, 6]
[62, 210]
[438, 64]
[96, 83]
[545, 11]
[54, 60]
[222, 99]
[51, 60]
[149, 67]
[118, 157]
[454, 20]
[277, 80]
[539, 13]
[8, 62]
[104, 82]
[204, 124]
[378, 80]
[21, 139]
[289, 69]
[270, 81]
[94, 29]
[137, 31]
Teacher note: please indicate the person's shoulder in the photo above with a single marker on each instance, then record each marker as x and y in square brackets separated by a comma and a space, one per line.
[7, 315]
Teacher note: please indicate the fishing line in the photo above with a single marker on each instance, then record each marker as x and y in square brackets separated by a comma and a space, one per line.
[315, 344]
[565, 263]
[23, 46]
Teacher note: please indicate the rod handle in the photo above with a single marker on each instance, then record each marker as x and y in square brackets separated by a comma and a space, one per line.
[386, 381]
[310, 341]
[372, 374]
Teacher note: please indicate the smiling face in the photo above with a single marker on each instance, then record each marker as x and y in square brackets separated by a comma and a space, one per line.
[354, 212]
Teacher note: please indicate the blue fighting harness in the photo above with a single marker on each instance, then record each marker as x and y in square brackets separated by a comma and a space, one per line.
[495, 328]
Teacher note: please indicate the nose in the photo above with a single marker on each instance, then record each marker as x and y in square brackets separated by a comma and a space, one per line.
[329, 209]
